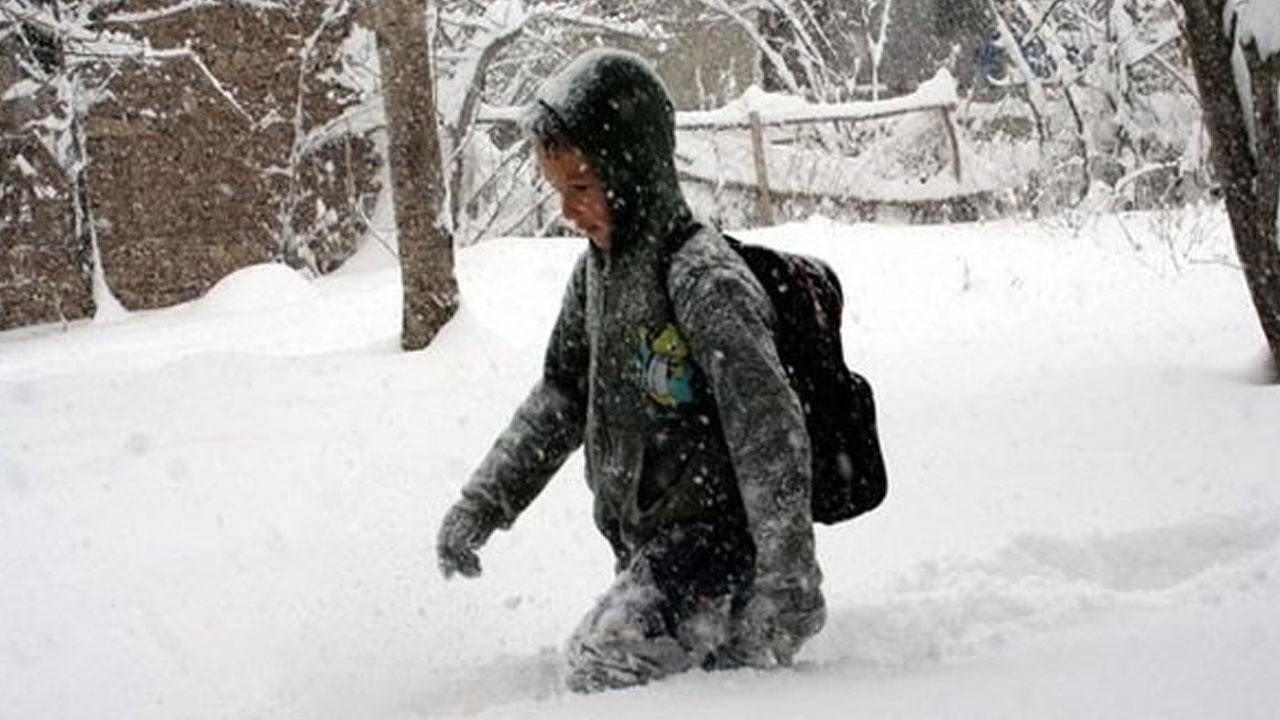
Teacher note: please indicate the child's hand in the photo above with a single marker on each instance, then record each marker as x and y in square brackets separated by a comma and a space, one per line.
[462, 533]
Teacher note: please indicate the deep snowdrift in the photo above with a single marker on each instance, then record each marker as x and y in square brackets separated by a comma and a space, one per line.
[227, 509]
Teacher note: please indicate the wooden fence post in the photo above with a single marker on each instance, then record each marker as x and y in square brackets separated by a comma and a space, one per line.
[950, 123]
[764, 197]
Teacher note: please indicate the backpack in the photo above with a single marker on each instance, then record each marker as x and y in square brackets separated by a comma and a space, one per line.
[839, 412]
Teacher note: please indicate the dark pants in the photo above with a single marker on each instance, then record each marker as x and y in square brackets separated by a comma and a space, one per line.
[673, 607]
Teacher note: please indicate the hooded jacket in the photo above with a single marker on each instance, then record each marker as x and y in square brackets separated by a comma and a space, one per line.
[662, 361]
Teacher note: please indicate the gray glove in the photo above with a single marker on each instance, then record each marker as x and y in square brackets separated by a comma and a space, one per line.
[463, 531]
[774, 625]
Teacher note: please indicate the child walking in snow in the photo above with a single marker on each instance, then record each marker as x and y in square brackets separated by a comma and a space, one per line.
[662, 364]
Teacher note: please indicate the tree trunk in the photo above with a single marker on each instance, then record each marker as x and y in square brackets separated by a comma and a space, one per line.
[87, 251]
[1250, 180]
[426, 246]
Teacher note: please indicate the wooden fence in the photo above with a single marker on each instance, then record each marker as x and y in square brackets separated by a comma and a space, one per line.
[935, 96]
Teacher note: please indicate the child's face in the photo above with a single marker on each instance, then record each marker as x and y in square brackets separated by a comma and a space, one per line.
[582, 197]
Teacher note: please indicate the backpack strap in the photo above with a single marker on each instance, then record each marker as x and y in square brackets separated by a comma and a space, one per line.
[671, 244]
[682, 233]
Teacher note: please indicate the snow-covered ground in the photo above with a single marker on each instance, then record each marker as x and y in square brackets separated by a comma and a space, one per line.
[227, 509]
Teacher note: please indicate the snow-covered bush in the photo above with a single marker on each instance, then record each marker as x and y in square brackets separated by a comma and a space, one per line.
[1104, 89]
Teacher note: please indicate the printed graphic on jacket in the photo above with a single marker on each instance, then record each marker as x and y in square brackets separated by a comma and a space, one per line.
[667, 373]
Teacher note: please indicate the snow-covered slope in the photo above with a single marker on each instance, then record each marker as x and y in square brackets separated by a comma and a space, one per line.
[227, 509]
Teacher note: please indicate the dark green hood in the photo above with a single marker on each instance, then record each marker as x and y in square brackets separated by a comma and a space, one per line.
[615, 109]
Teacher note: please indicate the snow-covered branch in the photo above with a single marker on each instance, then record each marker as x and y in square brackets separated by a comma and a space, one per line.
[145, 53]
[876, 40]
[145, 16]
[1035, 91]
[501, 27]
[748, 26]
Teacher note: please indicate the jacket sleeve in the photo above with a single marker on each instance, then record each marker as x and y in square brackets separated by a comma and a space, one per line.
[728, 319]
[547, 427]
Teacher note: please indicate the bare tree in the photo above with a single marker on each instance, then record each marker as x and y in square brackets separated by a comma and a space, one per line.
[426, 245]
[1240, 110]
